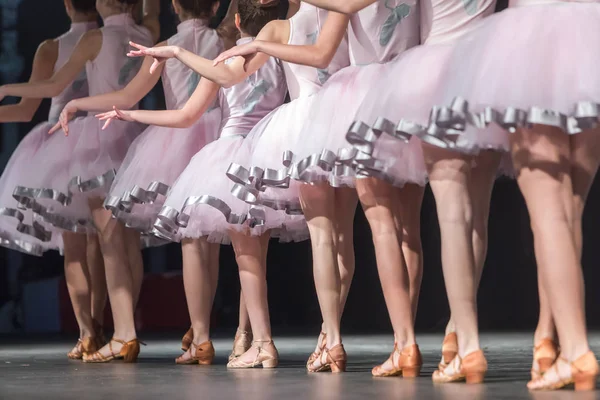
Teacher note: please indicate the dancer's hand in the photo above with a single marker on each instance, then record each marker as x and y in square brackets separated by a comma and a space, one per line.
[115, 114]
[66, 115]
[264, 2]
[160, 54]
[241, 50]
[2, 94]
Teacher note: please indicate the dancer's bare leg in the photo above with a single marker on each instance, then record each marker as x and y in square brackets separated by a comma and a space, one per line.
[250, 254]
[200, 277]
[542, 158]
[119, 274]
[136, 262]
[409, 215]
[346, 201]
[481, 185]
[449, 176]
[379, 200]
[95, 264]
[78, 282]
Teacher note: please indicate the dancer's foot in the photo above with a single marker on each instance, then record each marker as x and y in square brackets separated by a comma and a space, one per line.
[333, 359]
[582, 372]
[262, 352]
[241, 343]
[407, 363]
[116, 349]
[545, 354]
[83, 346]
[321, 344]
[471, 369]
[203, 354]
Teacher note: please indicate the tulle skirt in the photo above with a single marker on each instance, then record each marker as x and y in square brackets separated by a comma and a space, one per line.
[68, 170]
[18, 230]
[527, 65]
[153, 163]
[320, 149]
[201, 202]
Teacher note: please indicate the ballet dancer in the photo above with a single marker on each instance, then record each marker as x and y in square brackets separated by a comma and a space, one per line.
[142, 181]
[552, 116]
[201, 211]
[74, 173]
[318, 161]
[84, 270]
[303, 82]
[394, 114]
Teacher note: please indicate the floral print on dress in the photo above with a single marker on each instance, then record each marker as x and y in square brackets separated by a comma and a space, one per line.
[397, 14]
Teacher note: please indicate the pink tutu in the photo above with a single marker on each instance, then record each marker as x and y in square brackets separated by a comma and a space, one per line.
[200, 203]
[264, 178]
[69, 170]
[153, 163]
[533, 64]
[320, 149]
[18, 230]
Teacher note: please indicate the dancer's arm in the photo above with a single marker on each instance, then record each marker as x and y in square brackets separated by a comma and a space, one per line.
[43, 67]
[86, 50]
[151, 12]
[125, 98]
[198, 103]
[341, 6]
[225, 75]
[317, 55]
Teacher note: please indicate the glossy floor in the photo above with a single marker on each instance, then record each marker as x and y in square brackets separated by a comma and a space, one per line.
[40, 370]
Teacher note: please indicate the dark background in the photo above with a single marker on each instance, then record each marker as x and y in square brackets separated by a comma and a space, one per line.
[507, 297]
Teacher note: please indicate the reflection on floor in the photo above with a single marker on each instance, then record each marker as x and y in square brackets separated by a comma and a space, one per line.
[41, 370]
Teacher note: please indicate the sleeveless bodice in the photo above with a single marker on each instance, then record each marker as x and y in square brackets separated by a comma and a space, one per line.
[179, 81]
[245, 104]
[446, 20]
[382, 30]
[79, 88]
[305, 28]
[112, 70]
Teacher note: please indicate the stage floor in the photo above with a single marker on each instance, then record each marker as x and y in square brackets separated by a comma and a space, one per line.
[40, 370]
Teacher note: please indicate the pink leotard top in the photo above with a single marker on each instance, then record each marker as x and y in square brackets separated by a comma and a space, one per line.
[79, 88]
[443, 21]
[112, 70]
[305, 28]
[245, 104]
[382, 30]
[179, 81]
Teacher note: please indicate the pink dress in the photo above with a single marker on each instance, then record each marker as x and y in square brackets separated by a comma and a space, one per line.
[264, 180]
[200, 204]
[17, 228]
[397, 108]
[377, 35]
[159, 155]
[534, 63]
[69, 170]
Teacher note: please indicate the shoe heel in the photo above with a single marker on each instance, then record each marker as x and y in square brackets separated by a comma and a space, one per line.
[474, 377]
[131, 353]
[586, 382]
[338, 366]
[206, 361]
[411, 372]
[545, 364]
[272, 363]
